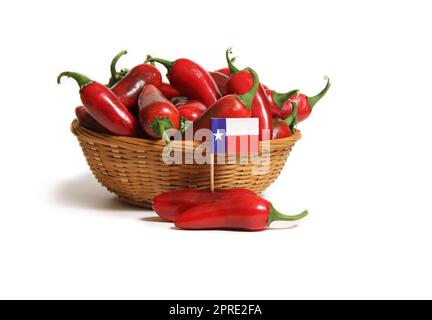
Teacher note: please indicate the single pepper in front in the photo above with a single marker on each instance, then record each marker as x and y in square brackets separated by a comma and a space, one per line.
[104, 106]
[244, 214]
[169, 205]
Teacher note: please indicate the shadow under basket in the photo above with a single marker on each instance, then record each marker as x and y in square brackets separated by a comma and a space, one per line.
[133, 168]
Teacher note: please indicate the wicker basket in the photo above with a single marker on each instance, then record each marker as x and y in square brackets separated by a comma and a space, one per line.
[133, 168]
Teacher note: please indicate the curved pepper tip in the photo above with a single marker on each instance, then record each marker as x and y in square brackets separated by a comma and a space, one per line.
[230, 60]
[313, 100]
[148, 57]
[61, 75]
[277, 216]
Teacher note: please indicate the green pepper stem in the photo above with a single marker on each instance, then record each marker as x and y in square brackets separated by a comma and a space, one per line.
[313, 100]
[81, 79]
[114, 74]
[277, 216]
[291, 119]
[231, 66]
[151, 62]
[168, 64]
[159, 126]
[248, 97]
[280, 98]
[166, 138]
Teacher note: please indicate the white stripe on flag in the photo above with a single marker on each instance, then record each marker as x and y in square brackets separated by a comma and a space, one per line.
[242, 127]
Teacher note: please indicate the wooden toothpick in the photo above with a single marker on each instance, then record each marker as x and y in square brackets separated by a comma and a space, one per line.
[212, 187]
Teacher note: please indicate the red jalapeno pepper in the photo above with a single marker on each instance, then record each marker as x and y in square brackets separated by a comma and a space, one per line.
[156, 113]
[129, 88]
[221, 81]
[241, 82]
[104, 106]
[305, 104]
[87, 121]
[169, 205]
[168, 91]
[230, 106]
[245, 214]
[84, 118]
[191, 80]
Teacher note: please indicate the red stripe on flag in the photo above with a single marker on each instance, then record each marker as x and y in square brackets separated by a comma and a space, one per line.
[253, 144]
[242, 145]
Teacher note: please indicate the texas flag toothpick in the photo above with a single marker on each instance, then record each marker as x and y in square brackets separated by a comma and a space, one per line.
[233, 136]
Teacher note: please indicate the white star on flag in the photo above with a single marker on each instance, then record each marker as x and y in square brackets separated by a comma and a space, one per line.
[218, 135]
[235, 135]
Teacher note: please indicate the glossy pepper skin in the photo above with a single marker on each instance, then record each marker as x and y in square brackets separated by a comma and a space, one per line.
[169, 205]
[191, 110]
[305, 104]
[156, 113]
[244, 214]
[241, 82]
[87, 121]
[230, 106]
[221, 82]
[280, 129]
[129, 88]
[191, 80]
[168, 91]
[104, 106]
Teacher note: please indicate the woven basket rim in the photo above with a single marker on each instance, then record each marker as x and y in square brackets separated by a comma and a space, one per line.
[133, 143]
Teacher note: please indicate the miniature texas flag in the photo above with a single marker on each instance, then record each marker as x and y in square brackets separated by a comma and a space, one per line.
[235, 135]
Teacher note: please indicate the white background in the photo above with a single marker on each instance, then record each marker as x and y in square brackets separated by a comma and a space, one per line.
[363, 167]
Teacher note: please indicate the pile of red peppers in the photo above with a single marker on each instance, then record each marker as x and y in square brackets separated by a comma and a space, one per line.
[137, 103]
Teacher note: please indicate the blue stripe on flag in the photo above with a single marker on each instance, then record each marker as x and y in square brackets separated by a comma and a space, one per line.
[218, 127]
